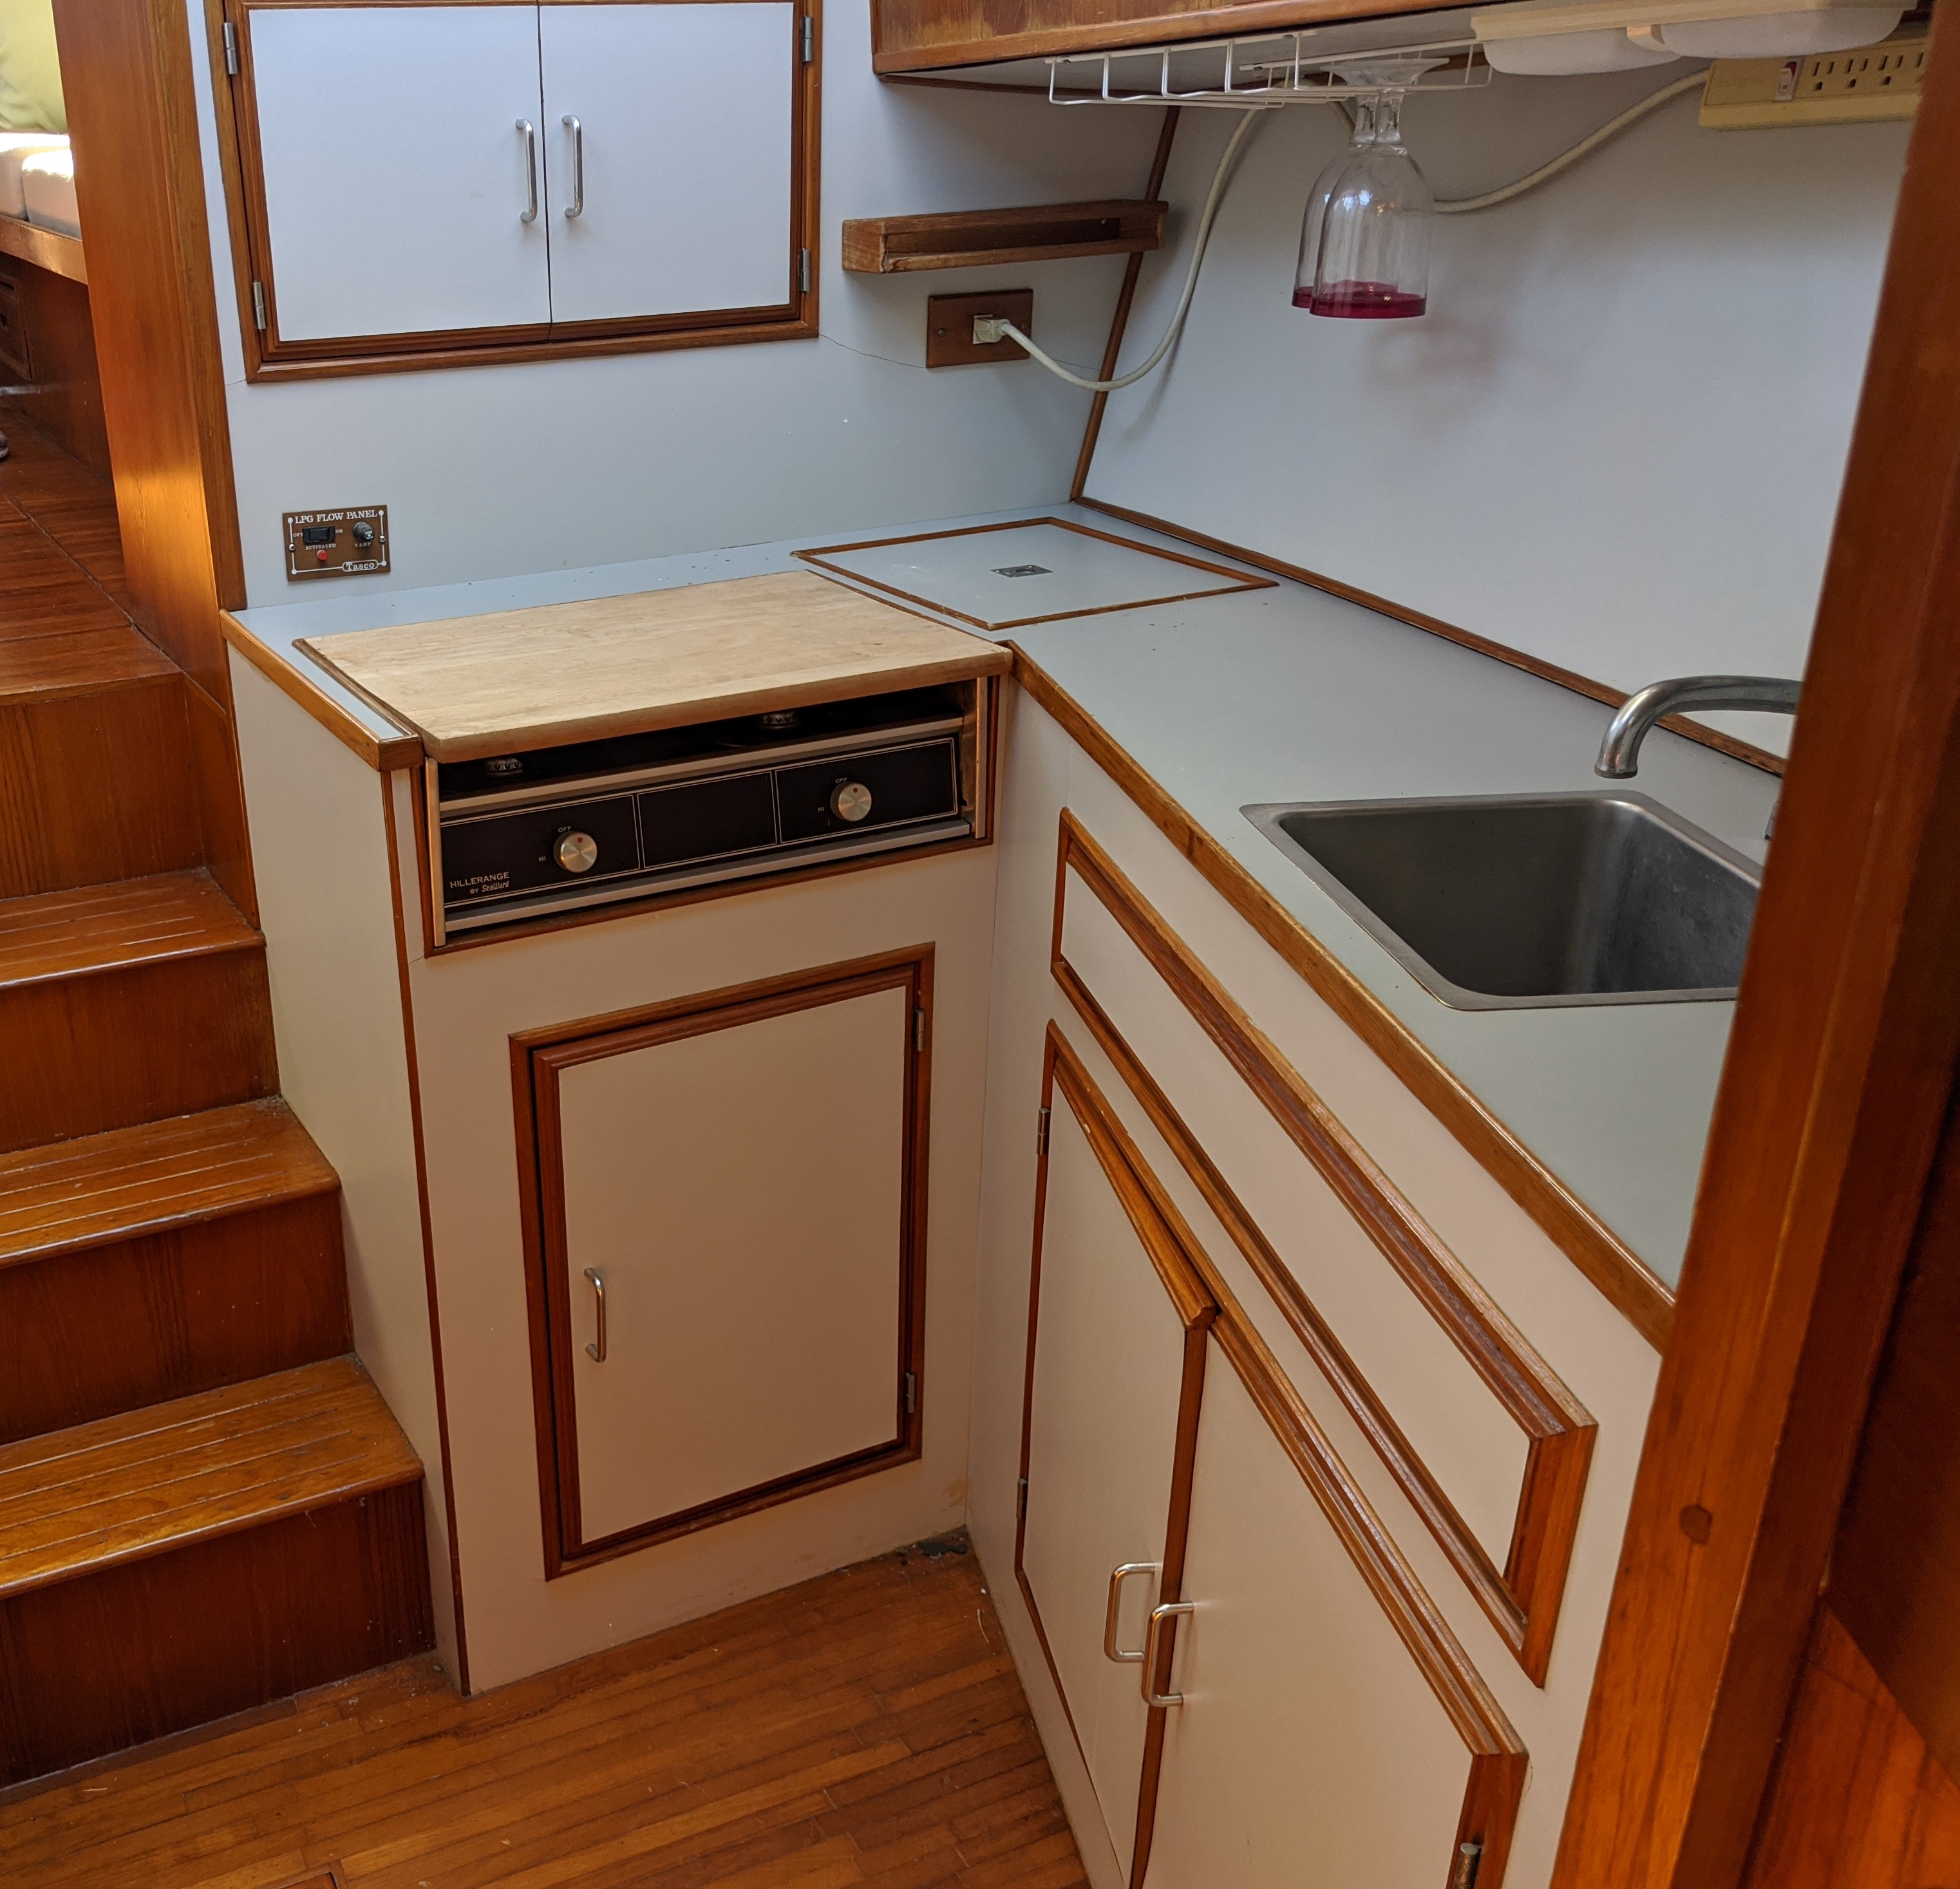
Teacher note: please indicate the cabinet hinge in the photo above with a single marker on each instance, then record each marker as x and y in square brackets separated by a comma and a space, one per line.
[912, 1392]
[230, 49]
[1468, 1855]
[809, 39]
[803, 270]
[918, 1030]
[1041, 1133]
[1021, 1500]
[258, 306]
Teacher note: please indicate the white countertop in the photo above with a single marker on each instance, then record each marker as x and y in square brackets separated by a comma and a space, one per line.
[1284, 693]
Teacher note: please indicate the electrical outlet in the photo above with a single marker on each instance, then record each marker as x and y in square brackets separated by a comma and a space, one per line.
[949, 326]
[1869, 84]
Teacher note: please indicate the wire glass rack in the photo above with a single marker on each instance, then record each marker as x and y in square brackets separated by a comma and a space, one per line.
[1258, 72]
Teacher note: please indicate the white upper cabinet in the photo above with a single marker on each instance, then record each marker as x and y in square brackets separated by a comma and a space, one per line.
[438, 186]
[680, 118]
[396, 178]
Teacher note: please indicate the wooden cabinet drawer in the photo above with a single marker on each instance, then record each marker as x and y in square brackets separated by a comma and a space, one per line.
[1487, 1444]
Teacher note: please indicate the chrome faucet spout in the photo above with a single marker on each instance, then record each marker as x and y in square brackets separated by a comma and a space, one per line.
[1619, 753]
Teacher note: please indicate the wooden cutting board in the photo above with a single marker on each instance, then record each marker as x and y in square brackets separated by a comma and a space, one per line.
[518, 679]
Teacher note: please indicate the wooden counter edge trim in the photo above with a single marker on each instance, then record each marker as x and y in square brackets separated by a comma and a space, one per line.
[1612, 1267]
[1523, 1600]
[1233, 17]
[411, 1062]
[1729, 745]
[54, 250]
[383, 753]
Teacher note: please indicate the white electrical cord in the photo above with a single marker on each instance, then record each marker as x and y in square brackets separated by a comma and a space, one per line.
[1545, 173]
[987, 328]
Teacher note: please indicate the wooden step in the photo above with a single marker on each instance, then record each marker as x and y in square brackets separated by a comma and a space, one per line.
[97, 768]
[164, 1567]
[128, 1002]
[153, 1262]
[46, 592]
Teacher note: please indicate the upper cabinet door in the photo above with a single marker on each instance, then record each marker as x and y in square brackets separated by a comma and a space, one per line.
[672, 163]
[396, 180]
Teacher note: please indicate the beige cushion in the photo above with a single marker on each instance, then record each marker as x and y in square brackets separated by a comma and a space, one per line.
[31, 84]
[47, 190]
[16, 147]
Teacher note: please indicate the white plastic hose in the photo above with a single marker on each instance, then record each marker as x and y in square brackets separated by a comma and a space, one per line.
[998, 327]
[1586, 146]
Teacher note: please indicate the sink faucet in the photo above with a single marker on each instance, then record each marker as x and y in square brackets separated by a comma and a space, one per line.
[1619, 753]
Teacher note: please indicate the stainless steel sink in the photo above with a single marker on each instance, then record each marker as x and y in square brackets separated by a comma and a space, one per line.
[1528, 900]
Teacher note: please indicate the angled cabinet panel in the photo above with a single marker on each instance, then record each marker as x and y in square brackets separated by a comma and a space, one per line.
[730, 1208]
[1111, 1368]
[672, 185]
[392, 180]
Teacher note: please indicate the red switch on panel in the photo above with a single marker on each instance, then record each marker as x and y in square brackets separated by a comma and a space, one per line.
[321, 554]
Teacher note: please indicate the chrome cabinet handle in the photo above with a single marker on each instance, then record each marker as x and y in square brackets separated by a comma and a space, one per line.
[1159, 1615]
[530, 213]
[596, 1351]
[1110, 1649]
[576, 207]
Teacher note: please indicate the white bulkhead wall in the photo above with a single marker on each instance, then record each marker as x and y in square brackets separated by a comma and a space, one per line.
[1615, 440]
[496, 471]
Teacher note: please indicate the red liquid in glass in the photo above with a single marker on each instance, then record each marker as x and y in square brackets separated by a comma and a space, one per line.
[1361, 301]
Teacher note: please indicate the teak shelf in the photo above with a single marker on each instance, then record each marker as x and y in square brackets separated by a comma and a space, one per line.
[1035, 233]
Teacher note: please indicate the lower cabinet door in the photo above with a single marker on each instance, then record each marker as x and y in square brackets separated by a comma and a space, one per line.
[731, 1210]
[1309, 1747]
[1116, 1352]
[1272, 1699]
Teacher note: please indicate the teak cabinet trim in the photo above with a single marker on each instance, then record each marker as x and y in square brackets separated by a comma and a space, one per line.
[1210, 1311]
[1606, 1260]
[1523, 1599]
[536, 1058]
[268, 357]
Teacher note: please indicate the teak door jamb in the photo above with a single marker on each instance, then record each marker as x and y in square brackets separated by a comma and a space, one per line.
[1838, 1076]
[535, 1055]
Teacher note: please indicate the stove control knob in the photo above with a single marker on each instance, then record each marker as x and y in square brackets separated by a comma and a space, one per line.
[576, 852]
[850, 800]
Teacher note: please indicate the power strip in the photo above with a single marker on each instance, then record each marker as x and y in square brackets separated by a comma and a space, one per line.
[1865, 85]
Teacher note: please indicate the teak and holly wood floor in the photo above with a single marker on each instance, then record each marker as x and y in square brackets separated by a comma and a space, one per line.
[865, 1727]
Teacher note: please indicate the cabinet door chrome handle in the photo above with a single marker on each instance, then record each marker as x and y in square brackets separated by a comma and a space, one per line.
[1169, 1610]
[596, 1351]
[530, 213]
[576, 207]
[1110, 1649]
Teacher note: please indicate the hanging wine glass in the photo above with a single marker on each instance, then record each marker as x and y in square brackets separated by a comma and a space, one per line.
[1364, 241]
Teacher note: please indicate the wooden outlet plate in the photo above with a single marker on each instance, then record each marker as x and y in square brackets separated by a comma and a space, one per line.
[350, 543]
[949, 326]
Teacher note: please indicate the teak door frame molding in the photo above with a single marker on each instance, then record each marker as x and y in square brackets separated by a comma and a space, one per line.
[1839, 1073]
[268, 357]
[1210, 1313]
[536, 1056]
[1522, 1600]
